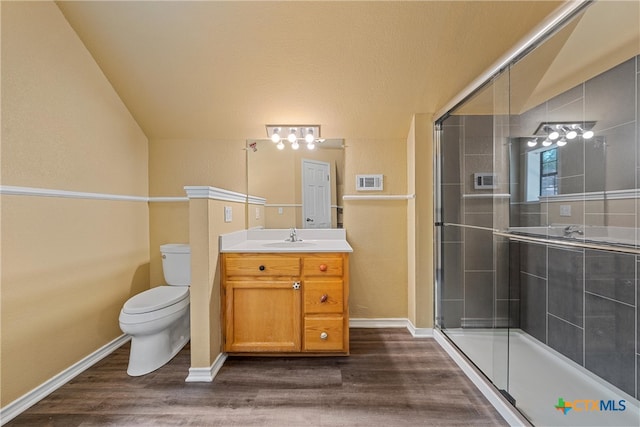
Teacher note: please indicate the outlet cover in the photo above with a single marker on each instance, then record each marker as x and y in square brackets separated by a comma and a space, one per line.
[228, 214]
[565, 210]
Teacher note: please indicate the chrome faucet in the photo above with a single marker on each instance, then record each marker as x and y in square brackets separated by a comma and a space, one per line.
[293, 237]
[570, 230]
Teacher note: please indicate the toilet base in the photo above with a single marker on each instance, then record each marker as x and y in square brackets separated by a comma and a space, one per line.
[150, 352]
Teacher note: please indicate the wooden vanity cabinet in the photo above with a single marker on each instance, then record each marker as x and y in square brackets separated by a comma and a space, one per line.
[293, 303]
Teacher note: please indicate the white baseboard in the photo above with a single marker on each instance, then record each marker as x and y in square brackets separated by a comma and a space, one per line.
[206, 375]
[26, 401]
[391, 323]
[505, 409]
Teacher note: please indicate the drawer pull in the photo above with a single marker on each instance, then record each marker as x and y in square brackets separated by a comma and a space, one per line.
[323, 267]
[296, 285]
[324, 298]
[261, 268]
[324, 336]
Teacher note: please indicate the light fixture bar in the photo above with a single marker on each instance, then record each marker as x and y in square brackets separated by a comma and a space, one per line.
[295, 135]
[563, 128]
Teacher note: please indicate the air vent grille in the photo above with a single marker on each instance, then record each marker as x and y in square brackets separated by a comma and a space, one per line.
[369, 182]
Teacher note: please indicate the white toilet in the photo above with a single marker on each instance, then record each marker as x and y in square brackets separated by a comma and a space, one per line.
[158, 319]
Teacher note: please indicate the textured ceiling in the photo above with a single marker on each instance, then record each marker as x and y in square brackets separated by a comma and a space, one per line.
[224, 69]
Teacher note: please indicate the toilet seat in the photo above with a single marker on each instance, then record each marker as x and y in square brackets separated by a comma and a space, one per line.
[155, 299]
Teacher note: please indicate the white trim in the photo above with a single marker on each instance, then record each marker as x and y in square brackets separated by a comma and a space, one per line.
[45, 192]
[379, 197]
[29, 399]
[378, 323]
[489, 391]
[632, 193]
[206, 192]
[255, 200]
[206, 375]
[168, 199]
[283, 205]
[419, 332]
[391, 323]
[486, 196]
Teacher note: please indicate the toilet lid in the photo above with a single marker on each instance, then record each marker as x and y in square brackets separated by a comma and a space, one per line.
[155, 299]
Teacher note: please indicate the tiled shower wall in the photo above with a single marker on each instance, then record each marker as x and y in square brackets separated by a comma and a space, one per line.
[475, 287]
[584, 304]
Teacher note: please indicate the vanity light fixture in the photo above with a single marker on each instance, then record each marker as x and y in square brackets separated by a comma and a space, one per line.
[564, 132]
[295, 134]
[547, 142]
[532, 142]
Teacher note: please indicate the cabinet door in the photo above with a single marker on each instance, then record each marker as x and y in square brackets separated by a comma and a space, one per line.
[262, 316]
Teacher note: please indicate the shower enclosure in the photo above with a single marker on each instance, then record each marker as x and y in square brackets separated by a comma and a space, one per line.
[538, 222]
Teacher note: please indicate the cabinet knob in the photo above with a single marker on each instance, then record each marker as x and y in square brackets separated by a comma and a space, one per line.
[324, 336]
[323, 267]
[261, 268]
[324, 298]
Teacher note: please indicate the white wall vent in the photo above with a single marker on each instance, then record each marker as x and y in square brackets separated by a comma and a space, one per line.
[369, 182]
[485, 181]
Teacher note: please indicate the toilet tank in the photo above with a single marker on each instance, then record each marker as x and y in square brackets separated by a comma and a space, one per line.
[176, 263]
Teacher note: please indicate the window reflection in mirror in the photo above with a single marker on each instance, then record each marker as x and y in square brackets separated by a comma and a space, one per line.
[295, 188]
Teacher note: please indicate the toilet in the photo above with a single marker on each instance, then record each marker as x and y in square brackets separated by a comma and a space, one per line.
[158, 319]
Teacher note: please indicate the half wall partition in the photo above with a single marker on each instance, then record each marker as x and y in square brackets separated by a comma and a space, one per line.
[538, 233]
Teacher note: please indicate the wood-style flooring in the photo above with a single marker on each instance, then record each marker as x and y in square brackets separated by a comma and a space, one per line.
[390, 379]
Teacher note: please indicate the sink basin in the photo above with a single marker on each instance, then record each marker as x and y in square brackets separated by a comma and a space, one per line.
[288, 244]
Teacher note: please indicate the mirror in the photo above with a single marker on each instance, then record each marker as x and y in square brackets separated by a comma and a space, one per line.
[579, 79]
[295, 188]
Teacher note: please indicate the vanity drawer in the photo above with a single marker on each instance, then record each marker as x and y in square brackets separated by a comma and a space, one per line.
[327, 265]
[324, 333]
[323, 296]
[268, 265]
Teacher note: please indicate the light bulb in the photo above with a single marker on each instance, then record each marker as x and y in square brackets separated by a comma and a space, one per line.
[572, 134]
[280, 146]
[546, 142]
[532, 142]
[295, 145]
[588, 134]
[275, 137]
[554, 135]
[292, 135]
[562, 142]
[309, 137]
[311, 145]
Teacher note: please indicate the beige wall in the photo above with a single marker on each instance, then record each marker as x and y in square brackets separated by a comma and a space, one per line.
[66, 274]
[421, 233]
[377, 230]
[207, 223]
[68, 264]
[174, 164]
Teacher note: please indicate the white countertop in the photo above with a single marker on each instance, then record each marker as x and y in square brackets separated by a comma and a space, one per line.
[274, 241]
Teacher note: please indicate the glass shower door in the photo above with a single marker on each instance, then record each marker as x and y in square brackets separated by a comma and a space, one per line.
[473, 289]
